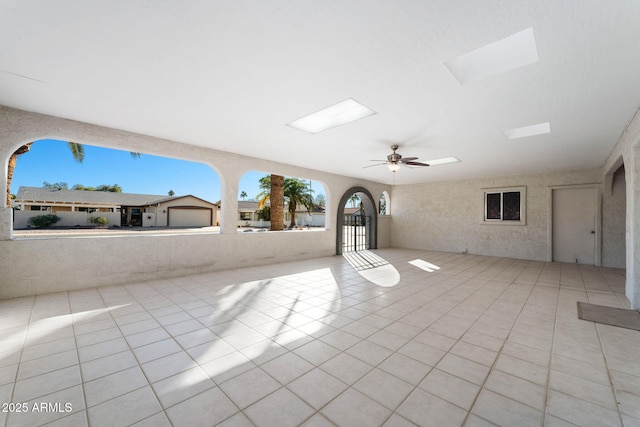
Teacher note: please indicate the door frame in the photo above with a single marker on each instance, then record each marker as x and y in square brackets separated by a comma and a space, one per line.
[598, 214]
[370, 209]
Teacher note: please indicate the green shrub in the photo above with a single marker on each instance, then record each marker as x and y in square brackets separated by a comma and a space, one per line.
[43, 221]
[99, 220]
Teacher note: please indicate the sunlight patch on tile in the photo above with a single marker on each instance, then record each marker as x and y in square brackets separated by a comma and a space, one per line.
[375, 269]
[424, 265]
[44, 327]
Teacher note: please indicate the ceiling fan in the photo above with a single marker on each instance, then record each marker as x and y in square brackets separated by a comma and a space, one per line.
[395, 161]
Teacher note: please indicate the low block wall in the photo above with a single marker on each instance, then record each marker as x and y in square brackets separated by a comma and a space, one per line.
[67, 219]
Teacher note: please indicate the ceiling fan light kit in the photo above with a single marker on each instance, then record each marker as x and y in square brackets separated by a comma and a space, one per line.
[394, 167]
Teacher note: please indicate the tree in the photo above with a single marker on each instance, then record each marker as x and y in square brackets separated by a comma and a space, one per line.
[297, 192]
[320, 200]
[171, 193]
[77, 151]
[115, 188]
[272, 193]
[55, 185]
[264, 213]
[276, 196]
[243, 195]
[11, 166]
[354, 200]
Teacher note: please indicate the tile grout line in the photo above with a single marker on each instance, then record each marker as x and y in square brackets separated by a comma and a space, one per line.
[515, 321]
[604, 356]
[547, 390]
[24, 343]
[457, 341]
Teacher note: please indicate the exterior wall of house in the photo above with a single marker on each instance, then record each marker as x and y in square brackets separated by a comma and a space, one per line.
[158, 216]
[35, 266]
[448, 216]
[303, 219]
[67, 218]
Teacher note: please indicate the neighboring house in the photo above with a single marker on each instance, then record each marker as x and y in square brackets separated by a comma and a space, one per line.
[76, 207]
[248, 213]
[248, 216]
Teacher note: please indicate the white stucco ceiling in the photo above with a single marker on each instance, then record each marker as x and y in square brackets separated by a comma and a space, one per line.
[231, 74]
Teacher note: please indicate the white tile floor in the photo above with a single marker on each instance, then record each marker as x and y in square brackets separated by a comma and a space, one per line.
[481, 341]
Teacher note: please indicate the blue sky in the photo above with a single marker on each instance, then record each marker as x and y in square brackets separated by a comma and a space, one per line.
[51, 161]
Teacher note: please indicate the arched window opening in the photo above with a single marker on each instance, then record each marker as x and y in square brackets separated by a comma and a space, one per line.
[383, 204]
[302, 203]
[70, 188]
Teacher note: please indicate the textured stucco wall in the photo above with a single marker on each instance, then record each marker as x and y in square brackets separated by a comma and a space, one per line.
[48, 265]
[613, 219]
[627, 152]
[447, 216]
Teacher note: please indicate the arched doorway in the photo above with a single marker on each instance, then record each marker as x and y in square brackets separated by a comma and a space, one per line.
[358, 229]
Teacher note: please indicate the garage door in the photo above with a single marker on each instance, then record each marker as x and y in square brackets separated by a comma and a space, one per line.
[189, 217]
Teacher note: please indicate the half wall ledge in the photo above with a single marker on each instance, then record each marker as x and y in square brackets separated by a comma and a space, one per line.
[6, 223]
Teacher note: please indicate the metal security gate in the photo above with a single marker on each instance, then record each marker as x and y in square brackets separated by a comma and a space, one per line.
[354, 233]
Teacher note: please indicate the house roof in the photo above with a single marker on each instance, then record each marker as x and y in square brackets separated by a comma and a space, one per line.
[230, 76]
[242, 205]
[351, 211]
[46, 195]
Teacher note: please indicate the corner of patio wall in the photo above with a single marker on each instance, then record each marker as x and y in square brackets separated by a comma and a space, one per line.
[6, 223]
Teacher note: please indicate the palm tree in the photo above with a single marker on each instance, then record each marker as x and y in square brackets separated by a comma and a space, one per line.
[264, 196]
[11, 167]
[272, 192]
[77, 151]
[297, 193]
[354, 199]
[277, 202]
[243, 195]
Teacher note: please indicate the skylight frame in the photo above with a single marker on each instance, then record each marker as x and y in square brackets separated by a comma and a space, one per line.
[512, 52]
[442, 161]
[342, 113]
[527, 131]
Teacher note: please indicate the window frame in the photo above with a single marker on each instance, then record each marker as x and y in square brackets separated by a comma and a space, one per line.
[502, 190]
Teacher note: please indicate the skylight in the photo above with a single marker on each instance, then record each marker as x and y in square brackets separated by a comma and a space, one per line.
[504, 55]
[338, 114]
[539, 129]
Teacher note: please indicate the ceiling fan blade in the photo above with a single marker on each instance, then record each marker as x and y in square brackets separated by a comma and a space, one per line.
[378, 161]
[408, 159]
[370, 166]
[415, 164]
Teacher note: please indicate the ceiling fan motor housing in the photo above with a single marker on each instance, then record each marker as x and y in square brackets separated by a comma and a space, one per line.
[395, 157]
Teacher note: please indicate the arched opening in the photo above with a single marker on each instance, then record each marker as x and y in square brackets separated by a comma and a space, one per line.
[614, 217]
[357, 226]
[384, 206]
[304, 203]
[102, 189]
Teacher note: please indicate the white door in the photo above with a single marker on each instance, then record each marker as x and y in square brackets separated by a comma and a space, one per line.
[574, 225]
